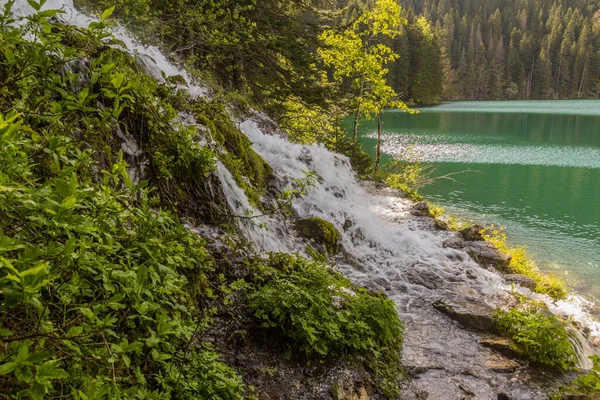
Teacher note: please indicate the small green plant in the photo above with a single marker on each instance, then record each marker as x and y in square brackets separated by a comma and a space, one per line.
[323, 315]
[541, 338]
[585, 384]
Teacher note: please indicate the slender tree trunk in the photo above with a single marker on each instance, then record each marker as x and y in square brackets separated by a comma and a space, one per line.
[530, 78]
[582, 78]
[558, 75]
[355, 133]
[378, 154]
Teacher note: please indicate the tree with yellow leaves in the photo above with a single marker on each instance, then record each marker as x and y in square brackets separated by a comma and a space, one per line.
[357, 57]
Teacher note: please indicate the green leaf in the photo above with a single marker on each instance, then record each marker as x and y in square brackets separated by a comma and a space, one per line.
[75, 331]
[10, 56]
[142, 274]
[117, 80]
[152, 341]
[69, 203]
[38, 391]
[107, 13]
[6, 333]
[8, 368]
[39, 356]
[35, 5]
[83, 95]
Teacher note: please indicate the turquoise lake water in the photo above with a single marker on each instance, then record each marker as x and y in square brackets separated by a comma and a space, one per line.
[536, 171]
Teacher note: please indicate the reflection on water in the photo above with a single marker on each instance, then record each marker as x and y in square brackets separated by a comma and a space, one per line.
[538, 173]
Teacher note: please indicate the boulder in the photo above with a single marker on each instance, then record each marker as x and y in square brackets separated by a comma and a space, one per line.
[521, 280]
[441, 225]
[420, 209]
[473, 233]
[487, 255]
[471, 314]
[454, 243]
[321, 233]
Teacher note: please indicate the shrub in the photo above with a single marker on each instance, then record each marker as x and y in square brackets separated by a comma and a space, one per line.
[584, 384]
[98, 288]
[323, 315]
[541, 338]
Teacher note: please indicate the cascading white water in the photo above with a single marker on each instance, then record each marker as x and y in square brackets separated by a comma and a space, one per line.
[385, 248]
[151, 57]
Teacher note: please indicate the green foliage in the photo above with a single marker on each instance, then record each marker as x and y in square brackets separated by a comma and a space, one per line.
[541, 338]
[260, 48]
[323, 315]
[585, 384]
[542, 49]
[100, 291]
[358, 58]
[407, 176]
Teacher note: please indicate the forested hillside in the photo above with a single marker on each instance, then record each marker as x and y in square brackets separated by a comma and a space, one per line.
[531, 49]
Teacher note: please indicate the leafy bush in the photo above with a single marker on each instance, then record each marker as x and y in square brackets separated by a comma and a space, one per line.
[324, 315]
[99, 289]
[541, 338]
[588, 384]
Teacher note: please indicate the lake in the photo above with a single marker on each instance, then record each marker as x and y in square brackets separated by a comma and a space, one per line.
[535, 170]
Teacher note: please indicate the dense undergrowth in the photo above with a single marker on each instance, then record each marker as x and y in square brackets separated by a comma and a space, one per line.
[103, 292]
[324, 315]
[541, 337]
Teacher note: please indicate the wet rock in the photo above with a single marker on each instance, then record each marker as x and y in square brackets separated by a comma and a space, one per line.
[521, 280]
[502, 346]
[424, 277]
[471, 314]
[149, 66]
[348, 223]
[321, 233]
[487, 255]
[420, 209]
[441, 225]
[472, 233]
[454, 243]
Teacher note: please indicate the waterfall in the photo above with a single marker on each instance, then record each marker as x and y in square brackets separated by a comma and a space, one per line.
[150, 57]
[386, 249]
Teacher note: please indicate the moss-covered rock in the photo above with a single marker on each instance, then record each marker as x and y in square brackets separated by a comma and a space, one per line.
[248, 168]
[321, 232]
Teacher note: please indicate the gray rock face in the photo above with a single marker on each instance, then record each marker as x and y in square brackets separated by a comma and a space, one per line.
[520, 280]
[420, 209]
[472, 314]
[487, 255]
